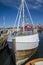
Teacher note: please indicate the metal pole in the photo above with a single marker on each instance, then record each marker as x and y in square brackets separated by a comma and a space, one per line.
[23, 13]
[4, 21]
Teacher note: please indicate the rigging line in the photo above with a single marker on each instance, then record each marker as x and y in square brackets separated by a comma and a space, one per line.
[29, 14]
[16, 18]
[19, 17]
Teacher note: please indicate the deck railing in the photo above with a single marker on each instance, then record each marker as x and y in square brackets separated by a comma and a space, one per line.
[21, 33]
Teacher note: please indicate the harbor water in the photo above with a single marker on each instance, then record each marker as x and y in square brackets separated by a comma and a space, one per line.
[6, 54]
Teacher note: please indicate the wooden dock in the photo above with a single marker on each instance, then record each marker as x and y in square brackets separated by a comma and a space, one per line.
[3, 40]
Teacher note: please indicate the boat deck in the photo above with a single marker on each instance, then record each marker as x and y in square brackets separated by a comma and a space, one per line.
[21, 33]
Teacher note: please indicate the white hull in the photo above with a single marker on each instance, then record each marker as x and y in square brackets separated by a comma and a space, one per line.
[9, 39]
[24, 47]
[27, 42]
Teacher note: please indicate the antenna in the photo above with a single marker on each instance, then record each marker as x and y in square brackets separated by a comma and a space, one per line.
[4, 21]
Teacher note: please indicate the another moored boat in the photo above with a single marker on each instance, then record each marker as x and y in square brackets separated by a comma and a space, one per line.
[3, 41]
[38, 61]
[3, 36]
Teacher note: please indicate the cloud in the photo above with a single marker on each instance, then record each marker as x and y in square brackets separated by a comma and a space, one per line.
[40, 1]
[35, 4]
[6, 2]
[10, 3]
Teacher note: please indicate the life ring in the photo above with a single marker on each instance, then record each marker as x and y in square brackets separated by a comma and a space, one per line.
[38, 61]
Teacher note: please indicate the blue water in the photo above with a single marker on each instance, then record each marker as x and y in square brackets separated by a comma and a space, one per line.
[40, 49]
[6, 55]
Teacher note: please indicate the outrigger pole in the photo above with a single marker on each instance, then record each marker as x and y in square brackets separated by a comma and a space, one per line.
[19, 17]
[19, 11]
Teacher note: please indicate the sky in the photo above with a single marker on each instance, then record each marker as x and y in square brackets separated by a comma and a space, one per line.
[9, 10]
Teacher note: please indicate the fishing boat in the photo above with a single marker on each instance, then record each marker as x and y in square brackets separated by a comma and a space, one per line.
[38, 61]
[25, 38]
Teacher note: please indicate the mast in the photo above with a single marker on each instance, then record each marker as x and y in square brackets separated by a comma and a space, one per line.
[23, 13]
[4, 27]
